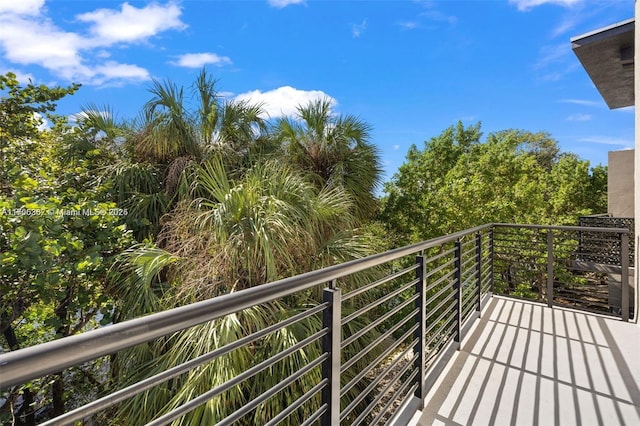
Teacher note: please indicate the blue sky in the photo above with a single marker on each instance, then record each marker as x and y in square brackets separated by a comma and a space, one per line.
[409, 68]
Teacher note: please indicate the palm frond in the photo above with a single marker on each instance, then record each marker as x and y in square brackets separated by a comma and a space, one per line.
[139, 279]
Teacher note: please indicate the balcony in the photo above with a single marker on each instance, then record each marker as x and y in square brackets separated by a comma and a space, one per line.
[414, 334]
[527, 364]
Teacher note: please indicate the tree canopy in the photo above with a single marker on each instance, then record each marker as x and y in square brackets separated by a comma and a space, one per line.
[458, 181]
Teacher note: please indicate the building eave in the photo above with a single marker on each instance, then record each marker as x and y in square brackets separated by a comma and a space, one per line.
[607, 54]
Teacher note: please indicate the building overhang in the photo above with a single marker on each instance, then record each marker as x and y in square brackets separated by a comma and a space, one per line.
[607, 54]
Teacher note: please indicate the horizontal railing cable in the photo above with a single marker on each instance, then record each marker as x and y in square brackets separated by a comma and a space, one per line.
[297, 403]
[378, 302]
[440, 305]
[344, 367]
[253, 404]
[247, 374]
[436, 283]
[132, 390]
[363, 415]
[346, 388]
[434, 323]
[437, 295]
[315, 416]
[408, 394]
[366, 391]
[385, 408]
[440, 255]
[379, 282]
[378, 321]
[439, 268]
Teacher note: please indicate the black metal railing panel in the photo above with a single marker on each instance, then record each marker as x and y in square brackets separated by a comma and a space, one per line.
[595, 247]
[360, 346]
[547, 264]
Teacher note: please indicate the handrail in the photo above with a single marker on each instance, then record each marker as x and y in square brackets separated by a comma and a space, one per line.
[26, 364]
[564, 228]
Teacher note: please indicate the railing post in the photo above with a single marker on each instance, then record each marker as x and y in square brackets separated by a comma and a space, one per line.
[491, 259]
[550, 276]
[624, 276]
[457, 287]
[478, 272]
[332, 319]
[420, 333]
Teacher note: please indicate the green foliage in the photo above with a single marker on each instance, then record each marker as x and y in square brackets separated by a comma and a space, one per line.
[21, 108]
[457, 181]
[58, 230]
[335, 150]
[230, 233]
[229, 205]
[177, 130]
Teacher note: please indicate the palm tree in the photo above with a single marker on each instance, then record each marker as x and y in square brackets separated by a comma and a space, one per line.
[175, 131]
[231, 219]
[230, 233]
[336, 149]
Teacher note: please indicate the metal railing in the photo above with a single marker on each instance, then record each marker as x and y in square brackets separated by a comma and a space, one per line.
[377, 332]
[548, 264]
[592, 246]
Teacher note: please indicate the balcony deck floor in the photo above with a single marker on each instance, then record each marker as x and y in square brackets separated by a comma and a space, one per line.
[527, 364]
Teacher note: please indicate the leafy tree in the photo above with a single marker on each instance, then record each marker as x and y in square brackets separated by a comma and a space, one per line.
[21, 115]
[412, 206]
[57, 236]
[457, 181]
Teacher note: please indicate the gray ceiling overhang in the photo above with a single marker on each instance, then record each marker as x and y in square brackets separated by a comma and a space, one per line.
[607, 55]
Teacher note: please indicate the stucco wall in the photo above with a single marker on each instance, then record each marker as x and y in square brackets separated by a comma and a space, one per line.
[620, 183]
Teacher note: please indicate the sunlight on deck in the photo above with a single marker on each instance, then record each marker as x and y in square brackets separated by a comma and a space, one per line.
[527, 364]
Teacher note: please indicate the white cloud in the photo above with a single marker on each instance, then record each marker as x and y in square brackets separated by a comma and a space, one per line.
[568, 23]
[608, 140]
[582, 102]
[112, 70]
[396, 147]
[525, 5]
[21, 7]
[408, 25]
[555, 62]
[29, 37]
[579, 117]
[31, 42]
[198, 60]
[358, 29]
[45, 124]
[131, 24]
[284, 3]
[28, 42]
[283, 101]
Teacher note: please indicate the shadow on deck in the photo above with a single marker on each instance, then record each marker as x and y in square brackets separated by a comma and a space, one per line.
[527, 364]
